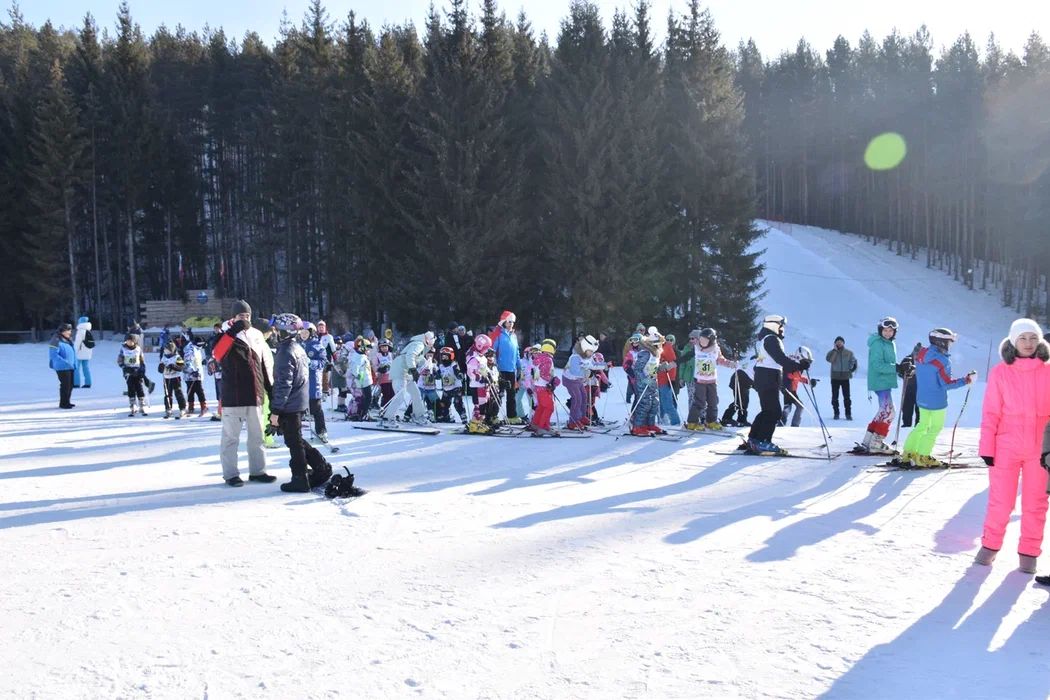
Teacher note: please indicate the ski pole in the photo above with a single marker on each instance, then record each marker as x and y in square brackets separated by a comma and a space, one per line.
[816, 409]
[951, 446]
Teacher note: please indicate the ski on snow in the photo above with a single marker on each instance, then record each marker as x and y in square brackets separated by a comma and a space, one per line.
[790, 455]
[399, 429]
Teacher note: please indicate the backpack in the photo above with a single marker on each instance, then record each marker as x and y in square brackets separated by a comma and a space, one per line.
[89, 340]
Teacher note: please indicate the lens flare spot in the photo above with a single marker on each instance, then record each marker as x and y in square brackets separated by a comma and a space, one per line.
[885, 151]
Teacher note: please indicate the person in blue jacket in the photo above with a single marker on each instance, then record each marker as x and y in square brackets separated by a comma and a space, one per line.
[63, 359]
[508, 362]
[317, 352]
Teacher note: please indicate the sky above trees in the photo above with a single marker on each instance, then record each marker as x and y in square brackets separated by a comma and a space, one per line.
[774, 25]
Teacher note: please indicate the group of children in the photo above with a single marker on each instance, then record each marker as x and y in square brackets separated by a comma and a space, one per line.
[182, 358]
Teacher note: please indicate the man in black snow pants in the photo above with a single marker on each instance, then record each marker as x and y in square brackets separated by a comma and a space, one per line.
[770, 365]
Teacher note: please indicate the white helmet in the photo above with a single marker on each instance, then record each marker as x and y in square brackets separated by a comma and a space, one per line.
[588, 343]
[774, 322]
[805, 352]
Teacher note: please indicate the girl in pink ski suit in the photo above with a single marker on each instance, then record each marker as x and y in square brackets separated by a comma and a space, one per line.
[1015, 414]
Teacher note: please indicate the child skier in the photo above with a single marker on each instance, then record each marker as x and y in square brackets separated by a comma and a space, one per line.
[523, 398]
[340, 364]
[644, 366]
[575, 376]
[790, 388]
[933, 372]
[171, 366]
[543, 385]
[131, 360]
[450, 377]
[598, 379]
[478, 374]
[1014, 442]
[193, 374]
[882, 379]
[359, 376]
[629, 352]
[317, 352]
[740, 383]
[381, 363]
[770, 362]
[703, 409]
[667, 382]
[427, 381]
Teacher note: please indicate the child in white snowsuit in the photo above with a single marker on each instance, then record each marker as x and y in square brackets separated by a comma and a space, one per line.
[170, 367]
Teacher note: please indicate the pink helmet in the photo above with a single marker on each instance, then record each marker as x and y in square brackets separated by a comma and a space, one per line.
[598, 358]
[482, 343]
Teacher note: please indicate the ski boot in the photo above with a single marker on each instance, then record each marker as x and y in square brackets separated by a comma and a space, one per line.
[640, 431]
[875, 444]
[714, 425]
[142, 407]
[134, 408]
[514, 421]
[765, 448]
[655, 430]
[928, 462]
[167, 414]
[695, 427]
[216, 418]
[177, 415]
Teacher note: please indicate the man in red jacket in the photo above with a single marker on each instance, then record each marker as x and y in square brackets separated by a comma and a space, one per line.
[247, 376]
[667, 382]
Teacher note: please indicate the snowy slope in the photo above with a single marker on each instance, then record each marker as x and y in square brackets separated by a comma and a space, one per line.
[496, 568]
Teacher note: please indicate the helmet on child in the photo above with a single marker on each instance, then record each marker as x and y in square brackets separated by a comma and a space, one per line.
[888, 322]
[362, 345]
[942, 338]
[805, 352]
[635, 339]
[598, 358]
[482, 343]
[548, 346]
[588, 344]
[447, 353]
[385, 343]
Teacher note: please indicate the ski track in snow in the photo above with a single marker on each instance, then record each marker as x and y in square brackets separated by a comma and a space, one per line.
[477, 568]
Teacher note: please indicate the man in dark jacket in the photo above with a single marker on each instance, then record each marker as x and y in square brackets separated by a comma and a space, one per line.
[770, 365]
[291, 397]
[843, 365]
[247, 377]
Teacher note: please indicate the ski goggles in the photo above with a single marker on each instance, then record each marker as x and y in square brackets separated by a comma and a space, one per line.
[888, 322]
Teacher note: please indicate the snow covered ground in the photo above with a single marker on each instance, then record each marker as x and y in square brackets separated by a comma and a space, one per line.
[496, 568]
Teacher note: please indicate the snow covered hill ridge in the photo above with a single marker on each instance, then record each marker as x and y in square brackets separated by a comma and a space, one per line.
[828, 284]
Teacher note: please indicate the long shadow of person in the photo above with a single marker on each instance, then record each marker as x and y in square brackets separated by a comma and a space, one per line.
[944, 655]
[780, 506]
[963, 530]
[786, 541]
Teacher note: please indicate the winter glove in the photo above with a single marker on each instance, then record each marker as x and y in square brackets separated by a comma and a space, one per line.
[1043, 461]
[804, 363]
[160, 368]
[529, 392]
[237, 326]
[415, 374]
[971, 377]
[990, 461]
[383, 369]
[555, 383]
[813, 383]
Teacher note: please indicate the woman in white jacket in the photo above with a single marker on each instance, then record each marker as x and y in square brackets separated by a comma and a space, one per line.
[83, 344]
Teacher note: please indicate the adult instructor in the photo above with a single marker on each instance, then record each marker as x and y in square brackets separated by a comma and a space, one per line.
[508, 362]
[247, 377]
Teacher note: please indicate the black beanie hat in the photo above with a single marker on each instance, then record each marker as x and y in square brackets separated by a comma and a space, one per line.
[840, 338]
[241, 307]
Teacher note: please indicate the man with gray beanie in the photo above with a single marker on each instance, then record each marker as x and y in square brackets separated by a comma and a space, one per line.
[247, 378]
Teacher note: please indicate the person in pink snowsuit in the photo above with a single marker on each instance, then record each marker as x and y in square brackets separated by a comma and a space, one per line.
[1015, 414]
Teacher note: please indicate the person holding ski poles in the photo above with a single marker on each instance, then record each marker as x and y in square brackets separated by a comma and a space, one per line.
[933, 371]
[645, 366]
[882, 380]
[770, 362]
[1015, 442]
[667, 382]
